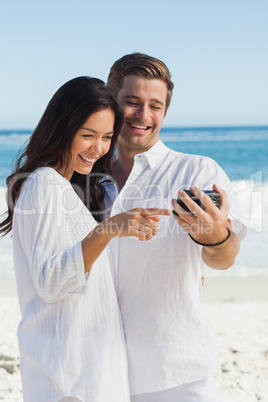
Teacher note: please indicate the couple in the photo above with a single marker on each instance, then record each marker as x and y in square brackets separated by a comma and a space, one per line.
[111, 309]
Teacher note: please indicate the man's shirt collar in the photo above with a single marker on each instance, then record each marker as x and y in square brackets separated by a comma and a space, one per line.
[152, 155]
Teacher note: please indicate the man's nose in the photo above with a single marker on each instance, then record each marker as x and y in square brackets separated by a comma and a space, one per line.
[142, 112]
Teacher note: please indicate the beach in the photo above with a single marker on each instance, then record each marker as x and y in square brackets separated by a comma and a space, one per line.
[236, 307]
[238, 310]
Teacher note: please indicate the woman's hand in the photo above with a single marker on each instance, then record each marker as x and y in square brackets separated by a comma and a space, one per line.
[138, 222]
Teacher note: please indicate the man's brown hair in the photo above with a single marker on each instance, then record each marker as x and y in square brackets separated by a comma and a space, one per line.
[143, 65]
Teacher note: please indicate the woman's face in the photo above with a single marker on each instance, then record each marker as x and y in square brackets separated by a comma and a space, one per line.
[91, 141]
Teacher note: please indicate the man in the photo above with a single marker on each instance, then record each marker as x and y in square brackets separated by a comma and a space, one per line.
[170, 347]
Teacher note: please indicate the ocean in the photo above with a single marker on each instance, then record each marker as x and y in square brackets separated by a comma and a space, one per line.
[243, 154]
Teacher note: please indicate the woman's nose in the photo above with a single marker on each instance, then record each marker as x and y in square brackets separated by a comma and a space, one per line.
[96, 147]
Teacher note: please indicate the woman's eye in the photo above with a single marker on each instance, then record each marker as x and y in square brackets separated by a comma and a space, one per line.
[108, 137]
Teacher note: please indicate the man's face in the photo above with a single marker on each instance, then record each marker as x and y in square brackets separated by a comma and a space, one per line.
[143, 102]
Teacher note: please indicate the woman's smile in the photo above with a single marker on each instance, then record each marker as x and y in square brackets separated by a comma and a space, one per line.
[88, 159]
[90, 143]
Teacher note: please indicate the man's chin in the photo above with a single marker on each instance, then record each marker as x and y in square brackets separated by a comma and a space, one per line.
[138, 143]
[139, 139]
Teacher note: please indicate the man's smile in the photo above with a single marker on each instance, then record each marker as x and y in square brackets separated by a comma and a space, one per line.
[138, 126]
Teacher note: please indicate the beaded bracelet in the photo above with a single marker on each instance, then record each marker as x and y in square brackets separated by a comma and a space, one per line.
[212, 245]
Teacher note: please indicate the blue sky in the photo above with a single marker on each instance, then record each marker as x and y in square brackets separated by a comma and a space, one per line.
[217, 52]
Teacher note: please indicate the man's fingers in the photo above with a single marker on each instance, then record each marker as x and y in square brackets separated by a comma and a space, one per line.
[208, 203]
[181, 212]
[223, 202]
[203, 198]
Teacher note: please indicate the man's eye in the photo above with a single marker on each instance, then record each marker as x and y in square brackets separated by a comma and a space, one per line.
[132, 103]
[156, 107]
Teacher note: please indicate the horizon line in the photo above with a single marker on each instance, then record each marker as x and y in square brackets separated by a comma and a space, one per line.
[170, 126]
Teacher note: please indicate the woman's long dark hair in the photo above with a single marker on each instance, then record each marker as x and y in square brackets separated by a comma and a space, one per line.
[50, 143]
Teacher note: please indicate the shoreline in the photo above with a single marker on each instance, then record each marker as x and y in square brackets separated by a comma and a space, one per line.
[235, 288]
[216, 289]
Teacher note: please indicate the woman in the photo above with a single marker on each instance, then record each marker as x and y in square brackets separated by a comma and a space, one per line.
[70, 336]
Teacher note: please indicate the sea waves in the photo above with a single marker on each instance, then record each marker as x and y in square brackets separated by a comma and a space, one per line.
[214, 134]
[169, 134]
[248, 202]
[10, 139]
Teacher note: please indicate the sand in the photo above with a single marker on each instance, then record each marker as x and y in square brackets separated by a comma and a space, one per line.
[236, 307]
[238, 311]
[10, 383]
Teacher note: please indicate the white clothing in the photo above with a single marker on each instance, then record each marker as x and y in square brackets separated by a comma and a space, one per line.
[70, 337]
[198, 391]
[159, 286]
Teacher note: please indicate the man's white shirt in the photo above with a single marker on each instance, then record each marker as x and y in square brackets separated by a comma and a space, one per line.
[159, 287]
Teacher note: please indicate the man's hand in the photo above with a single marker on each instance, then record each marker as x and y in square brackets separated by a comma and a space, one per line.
[209, 227]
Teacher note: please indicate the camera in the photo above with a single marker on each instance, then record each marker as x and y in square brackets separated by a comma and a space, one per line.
[214, 196]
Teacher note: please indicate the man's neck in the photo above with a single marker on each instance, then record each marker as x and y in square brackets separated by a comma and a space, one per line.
[123, 165]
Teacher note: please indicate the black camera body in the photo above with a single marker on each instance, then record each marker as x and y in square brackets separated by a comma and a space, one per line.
[214, 196]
